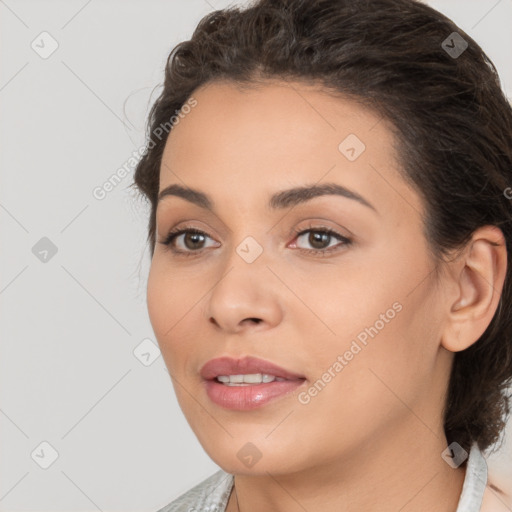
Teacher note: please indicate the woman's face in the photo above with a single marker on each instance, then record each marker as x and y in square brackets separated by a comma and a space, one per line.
[354, 316]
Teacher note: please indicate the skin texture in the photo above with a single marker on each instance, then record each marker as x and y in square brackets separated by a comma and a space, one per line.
[494, 500]
[372, 438]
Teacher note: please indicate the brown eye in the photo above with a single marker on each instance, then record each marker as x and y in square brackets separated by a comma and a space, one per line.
[192, 241]
[320, 238]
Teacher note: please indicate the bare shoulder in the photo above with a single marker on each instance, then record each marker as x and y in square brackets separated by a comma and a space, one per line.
[495, 500]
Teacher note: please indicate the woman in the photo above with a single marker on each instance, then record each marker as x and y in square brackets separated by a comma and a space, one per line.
[330, 237]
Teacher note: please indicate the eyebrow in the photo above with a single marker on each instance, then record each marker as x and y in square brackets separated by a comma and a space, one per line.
[279, 200]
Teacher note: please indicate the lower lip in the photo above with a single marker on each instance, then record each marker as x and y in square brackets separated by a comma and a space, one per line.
[244, 398]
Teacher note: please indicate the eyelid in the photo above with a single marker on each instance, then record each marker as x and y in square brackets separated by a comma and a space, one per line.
[320, 224]
[177, 232]
[344, 240]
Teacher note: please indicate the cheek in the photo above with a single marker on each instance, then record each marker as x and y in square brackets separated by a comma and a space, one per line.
[168, 300]
[158, 298]
[363, 386]
[380, 313]
[390, 363]
[170, 295]
[175, 299]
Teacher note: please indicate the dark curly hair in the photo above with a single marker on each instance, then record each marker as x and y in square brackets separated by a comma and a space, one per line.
[451, 120]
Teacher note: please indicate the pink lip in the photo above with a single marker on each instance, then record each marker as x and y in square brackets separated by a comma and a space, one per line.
[250, 396]
[245, 365]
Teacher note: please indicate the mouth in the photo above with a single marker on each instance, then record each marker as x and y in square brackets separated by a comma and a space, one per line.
[248, 380]
[247, 383]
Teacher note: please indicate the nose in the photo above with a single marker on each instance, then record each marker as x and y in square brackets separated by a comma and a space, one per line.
[247, 296]
[245, 321]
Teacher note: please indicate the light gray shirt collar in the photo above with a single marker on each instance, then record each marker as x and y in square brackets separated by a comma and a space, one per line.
[475, 482]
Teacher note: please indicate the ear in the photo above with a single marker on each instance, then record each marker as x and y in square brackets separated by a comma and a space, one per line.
[477, 276]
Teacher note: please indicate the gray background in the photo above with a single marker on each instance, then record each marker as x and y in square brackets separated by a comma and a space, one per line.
[72, 320]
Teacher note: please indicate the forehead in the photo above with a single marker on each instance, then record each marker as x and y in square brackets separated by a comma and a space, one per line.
[294, 111]
[279, 134]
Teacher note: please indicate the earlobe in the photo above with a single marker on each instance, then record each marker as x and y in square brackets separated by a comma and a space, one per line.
[480, 274]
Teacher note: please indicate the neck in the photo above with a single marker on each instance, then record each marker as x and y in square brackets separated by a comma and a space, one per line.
[383, 475]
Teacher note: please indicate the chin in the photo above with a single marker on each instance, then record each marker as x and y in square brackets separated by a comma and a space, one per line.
[252, 455]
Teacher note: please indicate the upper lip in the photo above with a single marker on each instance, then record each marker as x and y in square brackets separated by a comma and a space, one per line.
[245, 365]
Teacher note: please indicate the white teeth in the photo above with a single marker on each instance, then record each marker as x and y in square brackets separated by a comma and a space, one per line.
[251, 378]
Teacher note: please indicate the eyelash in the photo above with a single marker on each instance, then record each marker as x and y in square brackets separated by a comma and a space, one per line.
[172, 235]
